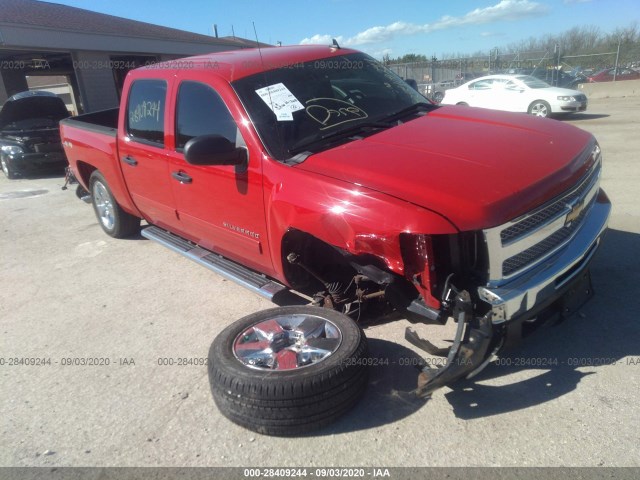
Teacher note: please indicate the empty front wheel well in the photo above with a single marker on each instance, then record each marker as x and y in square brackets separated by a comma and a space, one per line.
[329, 262]
[324, 259]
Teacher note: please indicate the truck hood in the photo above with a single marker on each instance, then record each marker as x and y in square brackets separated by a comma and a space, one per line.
[478, 168]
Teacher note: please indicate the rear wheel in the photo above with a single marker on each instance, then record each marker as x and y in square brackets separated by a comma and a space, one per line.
[288, 370]
[112, 218]
[464, 104]
[539, 108]
[438, 97]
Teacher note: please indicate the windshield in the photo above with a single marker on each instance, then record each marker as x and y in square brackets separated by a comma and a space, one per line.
[307, 106]
[533, 82]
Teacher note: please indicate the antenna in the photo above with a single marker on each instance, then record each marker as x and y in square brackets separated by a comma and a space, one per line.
[335, 44]
[255, 32]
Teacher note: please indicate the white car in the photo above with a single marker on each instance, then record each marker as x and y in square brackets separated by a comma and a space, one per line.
[517, 93]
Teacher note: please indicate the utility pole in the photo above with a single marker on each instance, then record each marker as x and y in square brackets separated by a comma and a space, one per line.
[615, 69]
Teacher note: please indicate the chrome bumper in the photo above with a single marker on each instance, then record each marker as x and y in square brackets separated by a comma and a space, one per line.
[544, 284]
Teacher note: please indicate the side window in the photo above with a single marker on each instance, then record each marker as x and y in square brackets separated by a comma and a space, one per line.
[201, 111]
[499, 84]
[145, 111]
[512, 86]
[481, 85]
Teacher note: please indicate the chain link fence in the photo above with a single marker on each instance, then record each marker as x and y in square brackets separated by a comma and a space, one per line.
[554, 66]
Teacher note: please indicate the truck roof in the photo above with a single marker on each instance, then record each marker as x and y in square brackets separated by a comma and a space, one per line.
[236, 64]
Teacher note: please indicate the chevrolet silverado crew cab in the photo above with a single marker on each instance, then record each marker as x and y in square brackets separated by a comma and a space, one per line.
[316, 169]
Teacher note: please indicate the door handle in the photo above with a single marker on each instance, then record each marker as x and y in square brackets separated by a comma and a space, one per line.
[130, 161]
[181, 177]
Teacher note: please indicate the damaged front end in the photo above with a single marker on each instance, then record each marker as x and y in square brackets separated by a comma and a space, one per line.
[473, 347]
[526, 271]
[433, 263]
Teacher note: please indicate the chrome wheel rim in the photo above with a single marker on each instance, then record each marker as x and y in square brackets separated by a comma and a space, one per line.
[104, 205]
[5, 167]
[539, 110]
[287, 342]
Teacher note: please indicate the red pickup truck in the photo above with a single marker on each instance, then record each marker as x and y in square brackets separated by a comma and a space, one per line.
[318, 170]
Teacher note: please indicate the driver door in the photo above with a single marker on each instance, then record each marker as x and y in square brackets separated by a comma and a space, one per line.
[220, 207]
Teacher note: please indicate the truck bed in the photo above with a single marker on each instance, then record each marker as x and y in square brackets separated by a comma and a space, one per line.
[103, 121]
[90, 143]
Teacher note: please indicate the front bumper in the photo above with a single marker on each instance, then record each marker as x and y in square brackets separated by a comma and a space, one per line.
[578, 107]
[30, 162]
[545, 284]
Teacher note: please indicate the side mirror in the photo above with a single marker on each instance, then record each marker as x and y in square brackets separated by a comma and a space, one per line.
[214, 150]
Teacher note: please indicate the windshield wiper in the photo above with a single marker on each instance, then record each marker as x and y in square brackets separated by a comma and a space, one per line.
[344, 133]
[416, 107]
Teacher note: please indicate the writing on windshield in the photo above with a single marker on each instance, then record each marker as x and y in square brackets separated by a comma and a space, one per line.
[308, 105]
[331, 112]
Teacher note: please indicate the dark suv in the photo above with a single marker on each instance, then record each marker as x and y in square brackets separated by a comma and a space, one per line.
[29, 133]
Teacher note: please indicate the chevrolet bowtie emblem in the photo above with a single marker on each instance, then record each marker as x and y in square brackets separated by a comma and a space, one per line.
[575, 212]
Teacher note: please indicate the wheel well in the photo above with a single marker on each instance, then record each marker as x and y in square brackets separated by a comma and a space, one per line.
[313, 253]
[85, 170]
[329, 262]
[538, 101]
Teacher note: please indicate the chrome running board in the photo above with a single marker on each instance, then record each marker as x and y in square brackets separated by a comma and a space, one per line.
[254, 281]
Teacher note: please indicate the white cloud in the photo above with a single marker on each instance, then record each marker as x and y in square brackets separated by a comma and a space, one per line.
[321, 40]
[505, 10]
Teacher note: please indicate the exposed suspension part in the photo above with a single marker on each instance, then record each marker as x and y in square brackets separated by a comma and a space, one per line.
[348, 295]
[468, 354]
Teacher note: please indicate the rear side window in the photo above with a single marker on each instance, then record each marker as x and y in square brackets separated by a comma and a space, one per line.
[201, 111]
[481, 84]
[145, 111]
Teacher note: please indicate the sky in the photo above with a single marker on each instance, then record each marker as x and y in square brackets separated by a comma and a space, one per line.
[378, 27]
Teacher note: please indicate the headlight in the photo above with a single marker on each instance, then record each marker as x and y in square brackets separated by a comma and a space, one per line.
[11, 149]
[566, 98]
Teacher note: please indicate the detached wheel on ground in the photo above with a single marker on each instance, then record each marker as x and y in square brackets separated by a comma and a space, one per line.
[288, 370]
[539, 108]
[7, 168]
[112, 218]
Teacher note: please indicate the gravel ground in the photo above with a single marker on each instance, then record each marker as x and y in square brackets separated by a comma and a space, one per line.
[67, 290]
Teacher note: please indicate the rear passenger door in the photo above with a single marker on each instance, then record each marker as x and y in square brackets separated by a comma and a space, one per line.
[220, 207]
[142, 153]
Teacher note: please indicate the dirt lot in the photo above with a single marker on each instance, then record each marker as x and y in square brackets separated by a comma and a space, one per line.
[68, 291]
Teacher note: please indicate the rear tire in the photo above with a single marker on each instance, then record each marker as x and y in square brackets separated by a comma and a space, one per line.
[438, 97]
[464, 104]
[112, 218]
[288, 400]
[539, 108]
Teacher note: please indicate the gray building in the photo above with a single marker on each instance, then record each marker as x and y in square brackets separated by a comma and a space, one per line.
[92, 51]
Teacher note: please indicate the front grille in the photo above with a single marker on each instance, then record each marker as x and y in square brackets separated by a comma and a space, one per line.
[526, 242]
[532, 254]
[550, 211]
